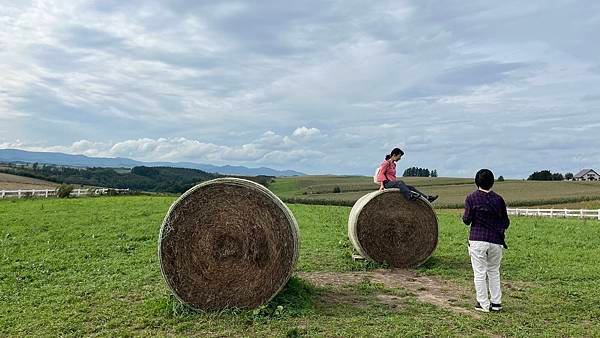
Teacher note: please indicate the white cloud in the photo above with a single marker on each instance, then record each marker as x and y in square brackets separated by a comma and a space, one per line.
[306, 133]
[269, 149]
[289, 157]
[227, 82]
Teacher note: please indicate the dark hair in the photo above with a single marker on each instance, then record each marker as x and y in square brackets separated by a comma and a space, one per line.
[387, 157]
[484, 179]
[396, 151]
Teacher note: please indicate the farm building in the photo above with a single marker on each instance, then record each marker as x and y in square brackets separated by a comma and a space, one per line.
[587, 175]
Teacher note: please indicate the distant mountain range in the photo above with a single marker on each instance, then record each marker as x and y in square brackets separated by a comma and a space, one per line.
[17, 155]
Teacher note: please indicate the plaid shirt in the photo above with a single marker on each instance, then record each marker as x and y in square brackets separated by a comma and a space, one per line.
[486, 213]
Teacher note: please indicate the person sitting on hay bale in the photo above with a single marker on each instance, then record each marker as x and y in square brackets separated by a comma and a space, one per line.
[485, 212]
[387, 178]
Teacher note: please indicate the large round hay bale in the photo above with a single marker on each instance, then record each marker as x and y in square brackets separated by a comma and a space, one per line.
[385, 227]
[227, 243]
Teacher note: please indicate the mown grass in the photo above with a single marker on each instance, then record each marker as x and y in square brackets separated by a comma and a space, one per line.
[452, 191]
[89, 267]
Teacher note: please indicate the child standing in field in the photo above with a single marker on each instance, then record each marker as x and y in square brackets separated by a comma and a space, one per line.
[485, 212]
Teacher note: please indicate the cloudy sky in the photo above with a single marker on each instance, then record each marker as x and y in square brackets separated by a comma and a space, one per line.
[315, 86]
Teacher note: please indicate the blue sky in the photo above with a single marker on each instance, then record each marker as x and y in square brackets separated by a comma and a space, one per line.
[315, 86]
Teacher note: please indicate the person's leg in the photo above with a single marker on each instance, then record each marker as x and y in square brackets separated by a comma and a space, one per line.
[411, 188]
[405, 191]
[414, 190]
[493, 272]
[391, 184]
[478, 253]
[399, 185]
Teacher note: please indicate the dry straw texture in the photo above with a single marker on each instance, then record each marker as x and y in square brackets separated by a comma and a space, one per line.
[387, 228]
[228, 243]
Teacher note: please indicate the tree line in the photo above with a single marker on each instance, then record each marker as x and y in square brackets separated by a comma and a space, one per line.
[419, 172]
[546, 175]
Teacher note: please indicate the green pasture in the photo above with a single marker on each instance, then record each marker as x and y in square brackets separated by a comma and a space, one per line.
[88, 267]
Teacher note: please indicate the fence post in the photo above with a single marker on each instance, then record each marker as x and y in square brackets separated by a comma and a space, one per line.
[46, 193]
[580, 213]
[3, 193]
[551, 213]
[19, 193]
[599, 214]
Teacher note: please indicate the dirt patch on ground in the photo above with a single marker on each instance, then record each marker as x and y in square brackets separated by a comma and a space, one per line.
[344, 297]
[392, 301]
[427, 289]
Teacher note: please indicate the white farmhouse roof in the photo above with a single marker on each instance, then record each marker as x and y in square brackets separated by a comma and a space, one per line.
[583, 172]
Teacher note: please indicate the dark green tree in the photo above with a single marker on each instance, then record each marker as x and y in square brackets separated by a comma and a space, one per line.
[416, 172]
[545, 175]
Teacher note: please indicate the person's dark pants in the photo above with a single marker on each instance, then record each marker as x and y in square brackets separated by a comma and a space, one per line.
[405, 189]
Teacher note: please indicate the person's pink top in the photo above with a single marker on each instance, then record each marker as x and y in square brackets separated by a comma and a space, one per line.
[387, 171]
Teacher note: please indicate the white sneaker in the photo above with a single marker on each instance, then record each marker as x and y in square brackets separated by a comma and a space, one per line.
[478, 307]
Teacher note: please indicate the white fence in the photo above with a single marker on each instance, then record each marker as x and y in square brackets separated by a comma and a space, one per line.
[581, 213]
[21, 193]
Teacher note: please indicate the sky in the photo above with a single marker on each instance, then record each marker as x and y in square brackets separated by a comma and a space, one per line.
[322, 87]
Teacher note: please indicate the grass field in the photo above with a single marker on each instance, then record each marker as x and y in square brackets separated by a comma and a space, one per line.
[89, 267]
[452, 191]
[13, 182]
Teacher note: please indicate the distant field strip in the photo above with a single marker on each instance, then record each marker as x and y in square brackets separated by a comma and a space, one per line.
[452, 191]
[14, 182]
[342, 187]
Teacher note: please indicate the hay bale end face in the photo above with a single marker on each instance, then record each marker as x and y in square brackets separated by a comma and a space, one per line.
[227, 243]
[387, 228]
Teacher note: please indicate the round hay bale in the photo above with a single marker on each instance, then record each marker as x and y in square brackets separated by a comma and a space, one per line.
[385, 227]
[227, 243]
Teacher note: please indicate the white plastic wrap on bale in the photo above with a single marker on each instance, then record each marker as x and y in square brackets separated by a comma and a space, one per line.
[353, 219]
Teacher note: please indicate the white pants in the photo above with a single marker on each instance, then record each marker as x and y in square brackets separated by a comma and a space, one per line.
[485, 259]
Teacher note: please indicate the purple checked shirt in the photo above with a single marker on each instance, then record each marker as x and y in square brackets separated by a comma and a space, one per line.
[486, 213]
